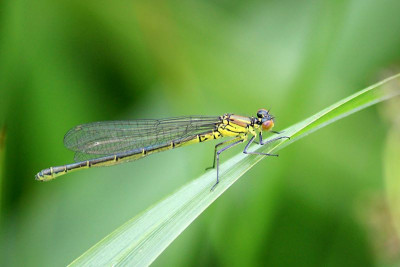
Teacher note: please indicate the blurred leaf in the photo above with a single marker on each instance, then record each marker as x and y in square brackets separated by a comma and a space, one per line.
[142, 239]
[391, 163]
[2, 153]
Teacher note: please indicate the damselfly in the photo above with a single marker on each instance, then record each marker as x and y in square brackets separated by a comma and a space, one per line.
[113, 142]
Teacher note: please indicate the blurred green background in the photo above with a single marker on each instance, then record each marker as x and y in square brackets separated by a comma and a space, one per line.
[324, 201]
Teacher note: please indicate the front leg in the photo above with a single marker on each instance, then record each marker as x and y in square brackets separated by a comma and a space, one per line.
[262, 143]
[271, 140]
[256, 153]
[275, 132]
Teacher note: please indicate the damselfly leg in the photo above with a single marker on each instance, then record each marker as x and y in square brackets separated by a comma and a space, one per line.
[218, 145]
[235, 141]
[261, 142]
[218, 153]
[275, 132]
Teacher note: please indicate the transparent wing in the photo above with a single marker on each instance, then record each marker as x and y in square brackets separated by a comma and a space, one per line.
[111, 137]
[80, 156]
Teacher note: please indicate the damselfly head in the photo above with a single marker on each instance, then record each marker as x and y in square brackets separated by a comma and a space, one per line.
[265, 119]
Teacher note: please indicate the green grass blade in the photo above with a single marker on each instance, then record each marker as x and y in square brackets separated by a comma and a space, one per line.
[143, 238]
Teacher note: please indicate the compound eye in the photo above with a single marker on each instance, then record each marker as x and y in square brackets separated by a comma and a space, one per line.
[262, 113]
[267, 125]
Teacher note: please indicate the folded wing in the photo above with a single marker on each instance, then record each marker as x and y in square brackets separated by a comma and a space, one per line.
[99, 139]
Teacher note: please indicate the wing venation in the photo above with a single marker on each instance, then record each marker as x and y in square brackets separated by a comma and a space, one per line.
[111, 137]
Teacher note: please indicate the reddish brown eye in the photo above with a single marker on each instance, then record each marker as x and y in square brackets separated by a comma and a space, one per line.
[267, 125]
